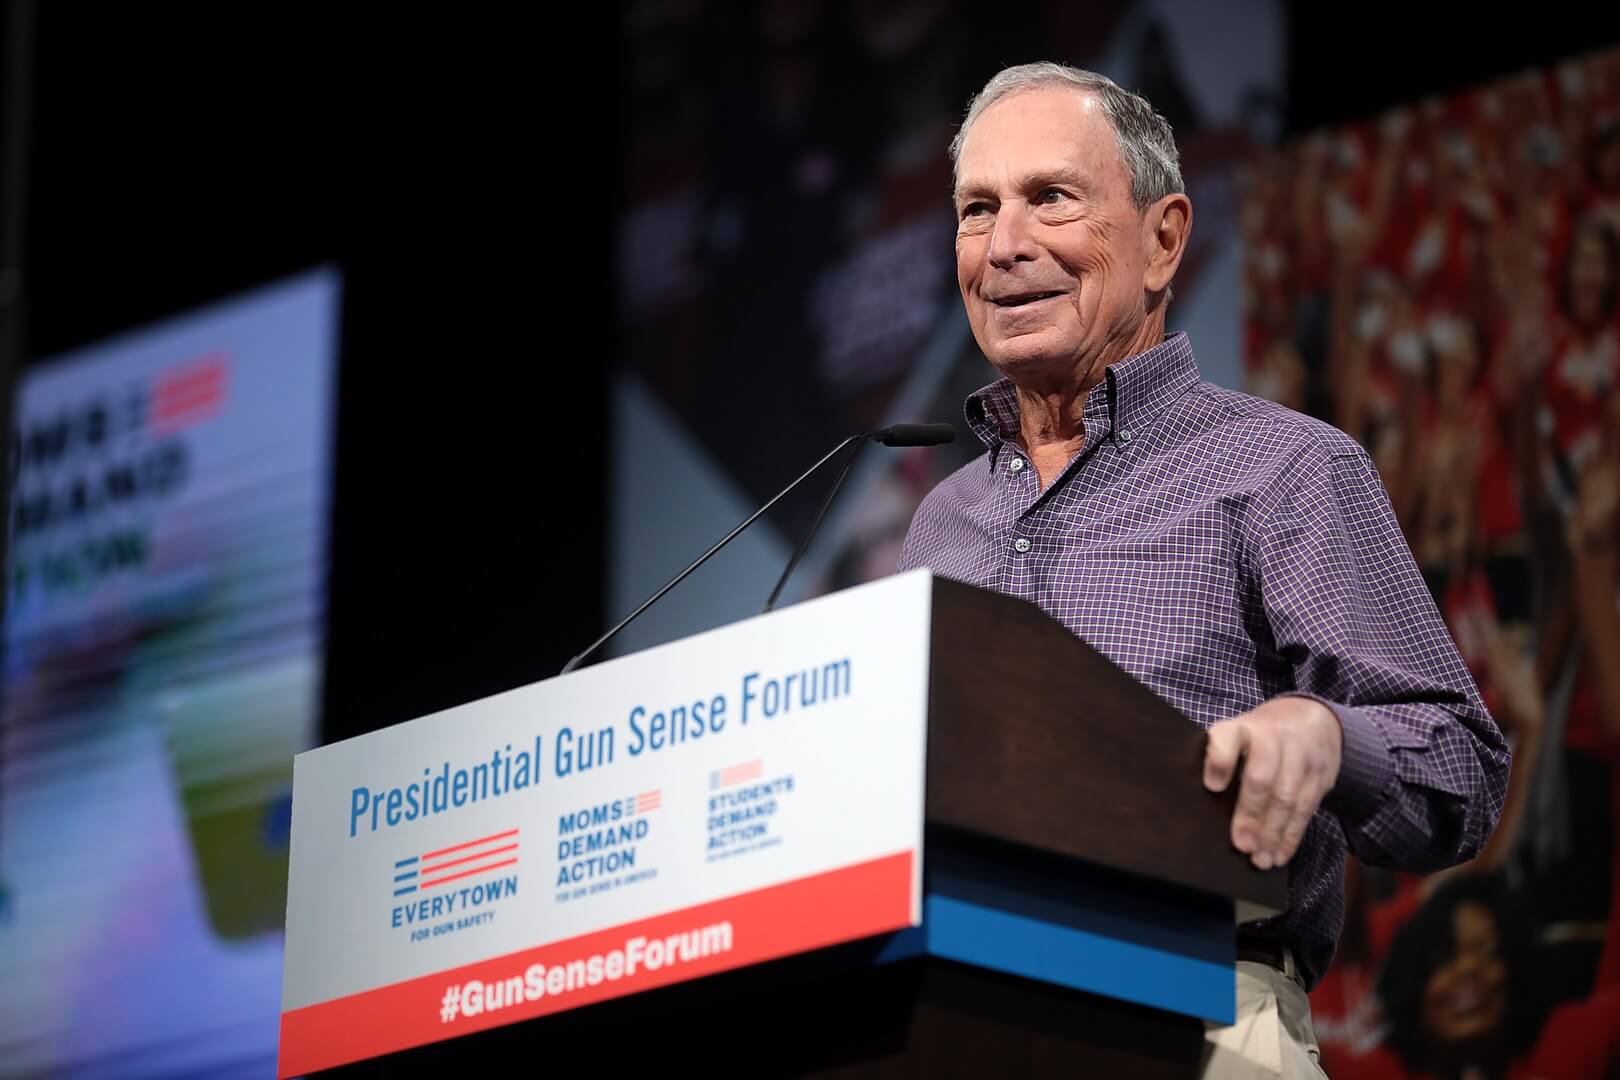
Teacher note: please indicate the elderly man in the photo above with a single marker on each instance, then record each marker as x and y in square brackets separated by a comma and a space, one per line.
[1238, 558]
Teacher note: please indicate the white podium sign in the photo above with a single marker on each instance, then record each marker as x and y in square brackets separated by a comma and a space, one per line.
[745, 794]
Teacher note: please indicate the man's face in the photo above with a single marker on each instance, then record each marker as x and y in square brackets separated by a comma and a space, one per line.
[1050, 250]
[1467, 997]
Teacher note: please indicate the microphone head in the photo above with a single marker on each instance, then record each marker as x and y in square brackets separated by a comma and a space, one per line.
[915, 435]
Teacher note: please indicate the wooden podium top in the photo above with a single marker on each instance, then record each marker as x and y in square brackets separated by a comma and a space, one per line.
[1037, 739]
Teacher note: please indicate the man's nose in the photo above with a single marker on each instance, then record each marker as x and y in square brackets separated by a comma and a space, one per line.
[1011, 240]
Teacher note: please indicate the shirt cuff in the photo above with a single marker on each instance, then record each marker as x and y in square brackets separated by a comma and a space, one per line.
[1366, 764]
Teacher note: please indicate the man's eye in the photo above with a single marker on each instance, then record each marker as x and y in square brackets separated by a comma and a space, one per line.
[974, 209]
[1053, 195]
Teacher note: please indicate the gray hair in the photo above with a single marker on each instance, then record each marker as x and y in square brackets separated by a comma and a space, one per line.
[1147, 147]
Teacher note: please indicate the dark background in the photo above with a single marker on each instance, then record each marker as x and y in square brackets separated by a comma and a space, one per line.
[467, 196]
[462, 169]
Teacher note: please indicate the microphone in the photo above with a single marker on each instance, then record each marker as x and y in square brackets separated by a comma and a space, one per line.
[895, 435]
[914, 435]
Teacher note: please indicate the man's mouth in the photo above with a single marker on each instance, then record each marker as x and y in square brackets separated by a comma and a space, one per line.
[1023, 299]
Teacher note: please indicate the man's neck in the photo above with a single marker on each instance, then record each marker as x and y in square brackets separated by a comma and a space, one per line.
[1051, 425]
[1051, 417]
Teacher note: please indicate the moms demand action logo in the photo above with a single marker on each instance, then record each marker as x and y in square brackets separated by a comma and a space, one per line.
[443, 899]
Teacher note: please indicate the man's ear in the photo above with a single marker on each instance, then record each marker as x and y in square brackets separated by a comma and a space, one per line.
[1165, 228]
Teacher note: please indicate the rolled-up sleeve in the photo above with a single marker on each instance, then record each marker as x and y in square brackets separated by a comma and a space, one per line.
[1424, 767]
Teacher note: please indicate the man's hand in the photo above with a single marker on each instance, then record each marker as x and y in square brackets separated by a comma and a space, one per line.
[1293, 746]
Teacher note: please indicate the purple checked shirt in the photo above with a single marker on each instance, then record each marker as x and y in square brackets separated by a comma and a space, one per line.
[1225, 550]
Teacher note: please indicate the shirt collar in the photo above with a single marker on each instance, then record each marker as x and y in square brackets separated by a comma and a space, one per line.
[1134, 390]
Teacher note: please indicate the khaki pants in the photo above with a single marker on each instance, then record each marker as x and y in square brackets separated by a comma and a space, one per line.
[1272, 1036]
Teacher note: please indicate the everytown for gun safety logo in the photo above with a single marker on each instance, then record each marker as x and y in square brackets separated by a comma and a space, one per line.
[432, 891]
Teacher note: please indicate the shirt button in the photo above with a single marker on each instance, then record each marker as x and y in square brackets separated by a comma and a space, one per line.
[1124, 436]
[1021, 545]
[1016, 464]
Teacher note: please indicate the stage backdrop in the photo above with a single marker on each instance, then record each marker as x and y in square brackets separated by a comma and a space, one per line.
[163, 662]
[1442, 283]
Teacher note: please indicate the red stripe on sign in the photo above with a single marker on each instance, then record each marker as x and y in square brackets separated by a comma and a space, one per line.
[798, 916]
[466, 873]
[736, 774]
[471, 843]
[436, 867]
[189, 392]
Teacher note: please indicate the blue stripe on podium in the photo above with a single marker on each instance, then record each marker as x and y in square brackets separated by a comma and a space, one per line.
[1079, 927]
[1147, 974]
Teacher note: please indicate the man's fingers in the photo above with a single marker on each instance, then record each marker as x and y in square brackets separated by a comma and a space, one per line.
[1293, 832]
[1227, 741]
[1286, 789]
[1256, 791]
[1315, 786]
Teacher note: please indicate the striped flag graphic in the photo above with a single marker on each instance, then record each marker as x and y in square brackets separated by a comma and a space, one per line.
[189, 392]
[737, 774]
[455, 862]
[644, 802]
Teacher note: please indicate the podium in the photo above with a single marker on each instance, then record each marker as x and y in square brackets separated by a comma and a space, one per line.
[1063, 900]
